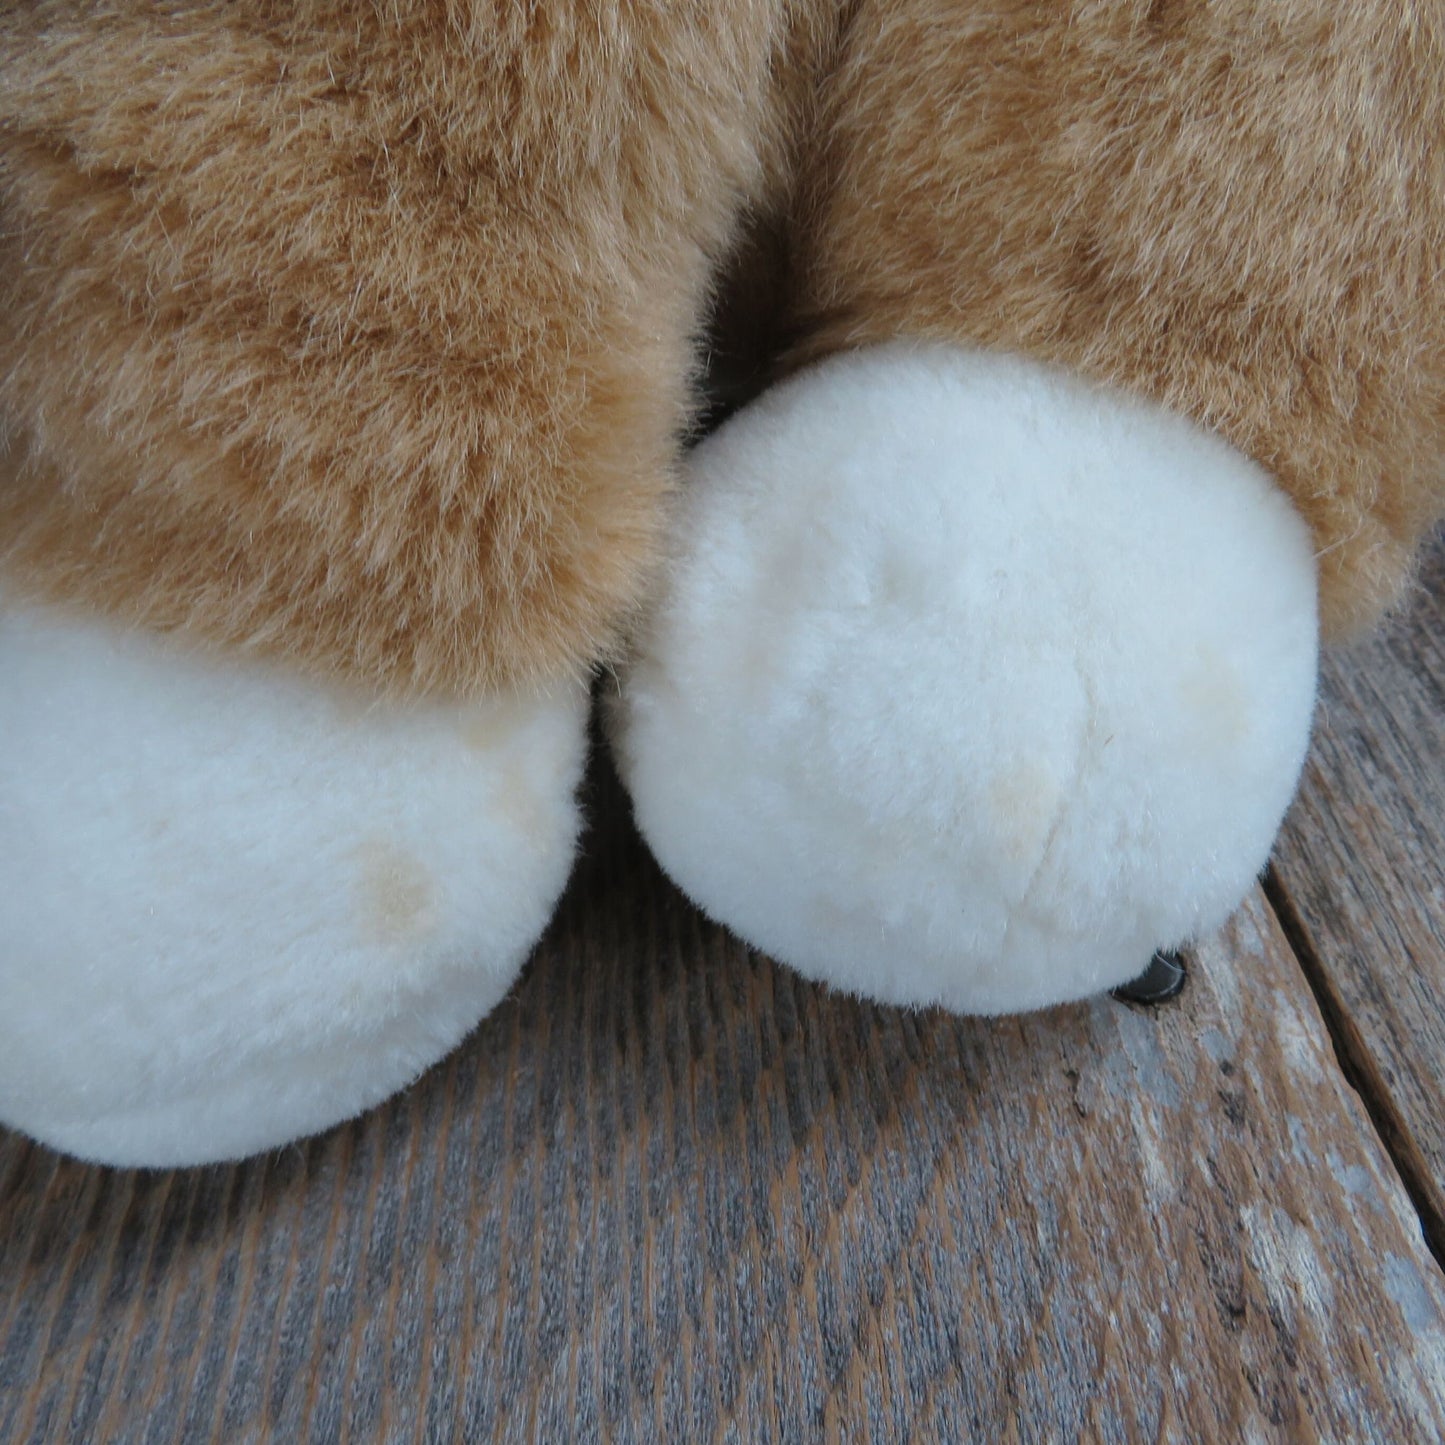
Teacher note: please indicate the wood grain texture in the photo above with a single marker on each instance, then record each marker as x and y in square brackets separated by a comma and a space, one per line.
[1359, 877]
[670, 1191]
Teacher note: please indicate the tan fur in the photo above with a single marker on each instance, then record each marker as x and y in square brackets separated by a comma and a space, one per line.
[365, 336]
[1237, 208]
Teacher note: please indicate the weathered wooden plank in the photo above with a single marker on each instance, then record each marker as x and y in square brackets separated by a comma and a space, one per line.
[669, 1191]
[1359, 877]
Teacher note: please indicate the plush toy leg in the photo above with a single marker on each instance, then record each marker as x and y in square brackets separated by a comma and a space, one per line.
[971, 685]
[234, 909]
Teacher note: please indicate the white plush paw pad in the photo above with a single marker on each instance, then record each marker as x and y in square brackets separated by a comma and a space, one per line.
[970, 684]
[235, 909]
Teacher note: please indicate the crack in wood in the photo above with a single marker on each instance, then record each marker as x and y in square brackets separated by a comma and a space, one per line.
[1361, 1070]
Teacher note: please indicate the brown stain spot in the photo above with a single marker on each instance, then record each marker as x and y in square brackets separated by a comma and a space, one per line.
[351, 706]
[398, 895]
[492, 726]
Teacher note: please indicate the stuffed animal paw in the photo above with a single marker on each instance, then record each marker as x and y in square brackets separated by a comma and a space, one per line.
[348, 361]
[238, 907]
[970, 684]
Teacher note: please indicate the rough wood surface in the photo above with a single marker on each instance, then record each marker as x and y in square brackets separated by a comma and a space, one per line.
[1359, 878]
[670, 1192]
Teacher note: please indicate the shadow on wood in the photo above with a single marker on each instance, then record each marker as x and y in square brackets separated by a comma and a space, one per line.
[671, 1190]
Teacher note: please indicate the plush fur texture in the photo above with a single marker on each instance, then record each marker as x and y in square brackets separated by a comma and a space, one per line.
[359, 344]
[362, 336]
[1234, 208]
[970, 684]
[237, 908]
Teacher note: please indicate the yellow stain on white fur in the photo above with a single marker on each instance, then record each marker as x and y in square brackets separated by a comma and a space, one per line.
[398, 895]
[1024, 802]
[518, 803]
[1213, 697]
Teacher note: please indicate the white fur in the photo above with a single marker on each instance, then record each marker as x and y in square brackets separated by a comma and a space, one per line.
[970, 684]
[235, 909]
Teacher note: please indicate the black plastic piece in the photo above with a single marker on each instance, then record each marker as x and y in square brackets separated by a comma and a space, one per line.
[1162, 980]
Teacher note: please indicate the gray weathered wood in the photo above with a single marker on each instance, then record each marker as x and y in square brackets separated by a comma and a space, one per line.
[669, 1191]
[1359, 876]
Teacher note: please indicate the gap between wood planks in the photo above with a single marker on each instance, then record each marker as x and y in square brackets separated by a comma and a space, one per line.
[1360, 1069]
